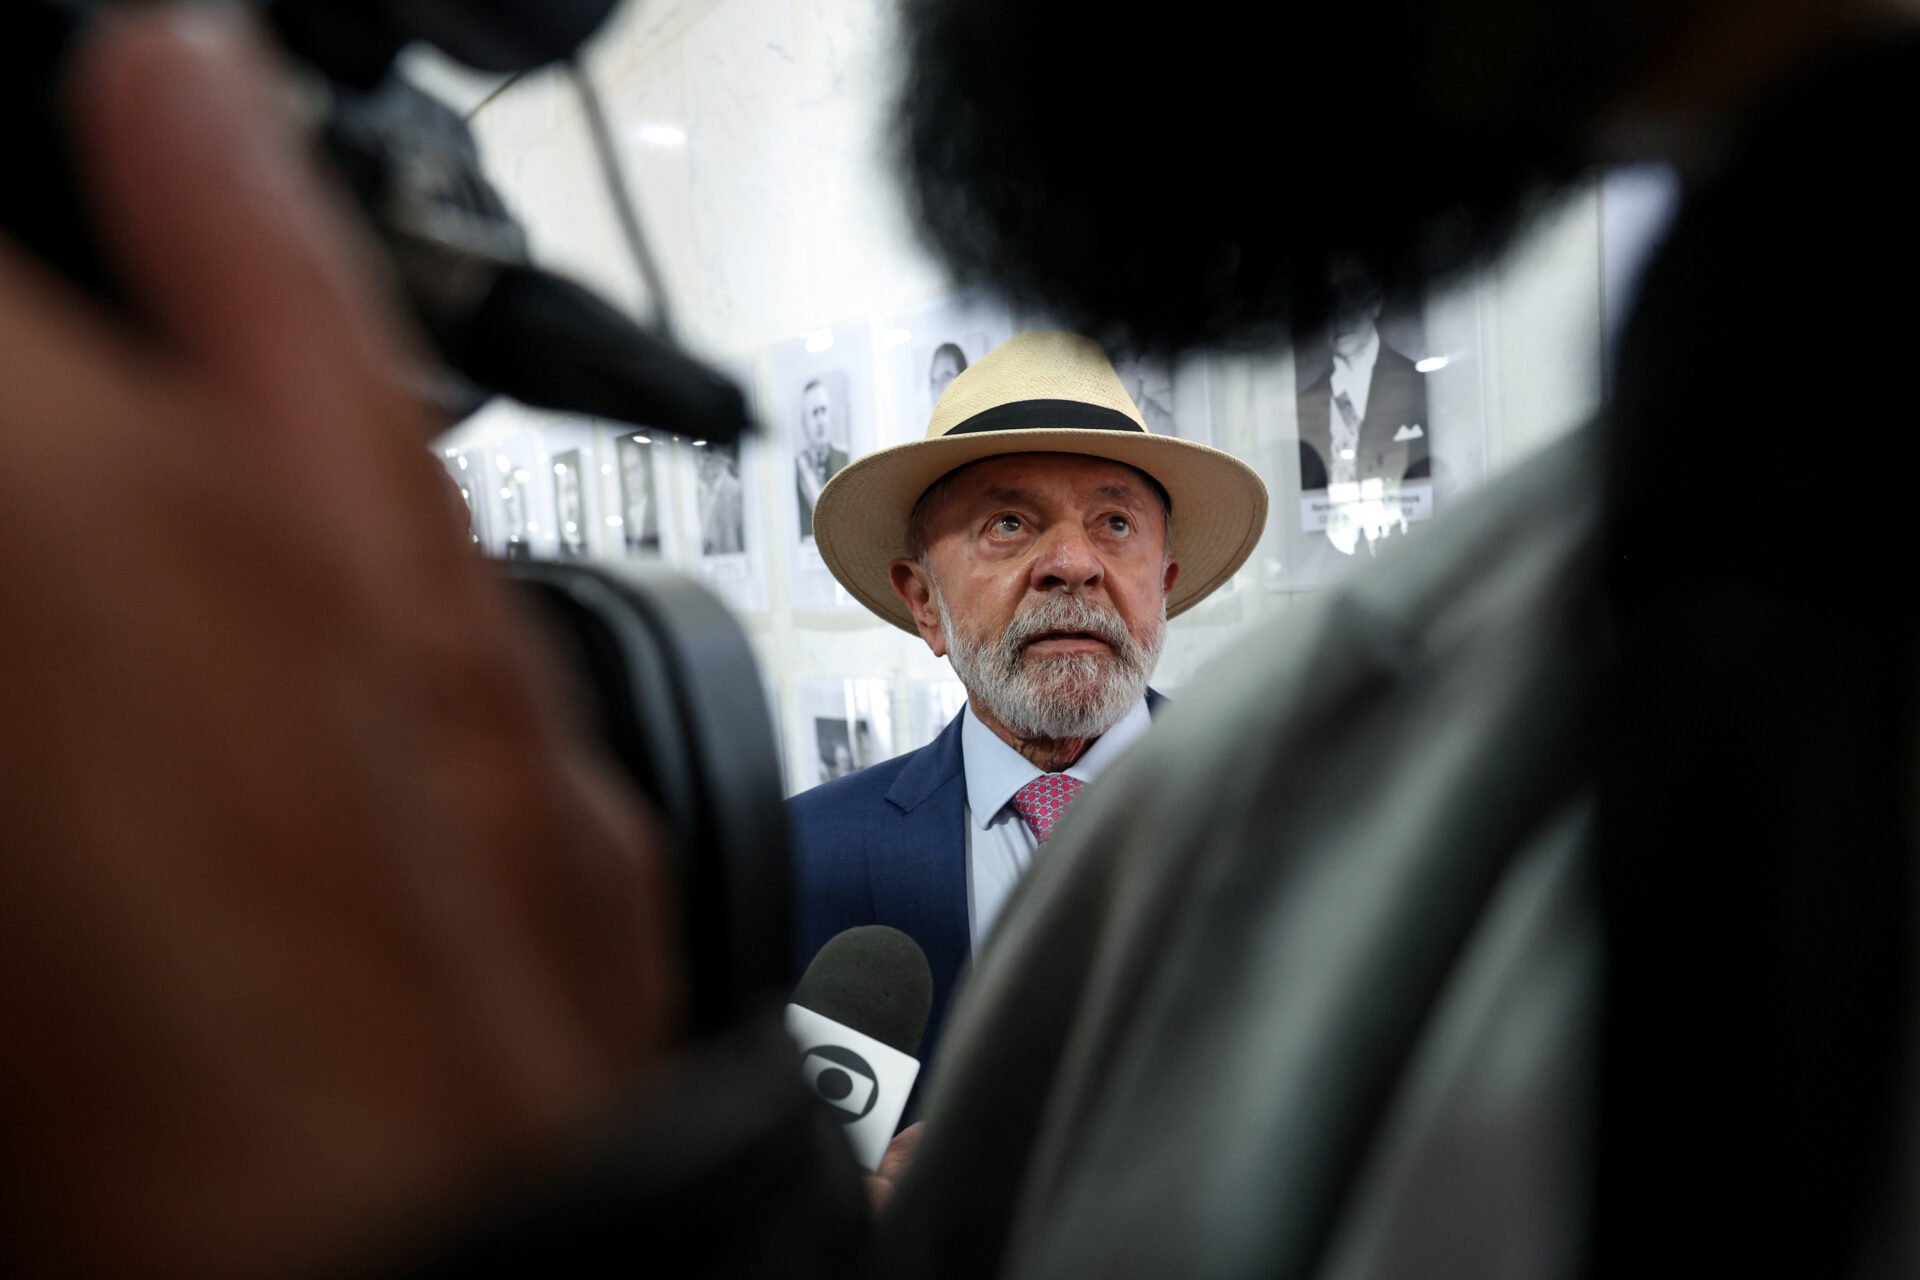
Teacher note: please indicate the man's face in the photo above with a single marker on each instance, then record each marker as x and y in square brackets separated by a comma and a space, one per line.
[816, 416]
[1045, 581]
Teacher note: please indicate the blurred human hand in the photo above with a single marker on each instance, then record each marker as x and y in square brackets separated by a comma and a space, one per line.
[893, 1165]
[316, 915]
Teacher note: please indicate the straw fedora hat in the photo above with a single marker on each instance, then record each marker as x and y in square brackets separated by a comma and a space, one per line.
[1040, 392]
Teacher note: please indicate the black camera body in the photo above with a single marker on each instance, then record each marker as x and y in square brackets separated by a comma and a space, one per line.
[673, 691]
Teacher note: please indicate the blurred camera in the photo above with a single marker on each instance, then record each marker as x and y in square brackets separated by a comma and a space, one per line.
[670, 683]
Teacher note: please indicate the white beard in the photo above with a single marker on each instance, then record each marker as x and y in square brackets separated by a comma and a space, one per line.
[1069, 695]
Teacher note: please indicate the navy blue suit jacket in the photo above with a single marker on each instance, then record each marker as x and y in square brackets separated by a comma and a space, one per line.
[888, 845]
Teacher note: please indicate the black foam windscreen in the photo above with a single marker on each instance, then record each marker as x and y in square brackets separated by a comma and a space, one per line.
[873, 979]
[504, 35]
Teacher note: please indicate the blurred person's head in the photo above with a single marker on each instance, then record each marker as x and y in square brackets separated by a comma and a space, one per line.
[1411, 139]
[816, 416]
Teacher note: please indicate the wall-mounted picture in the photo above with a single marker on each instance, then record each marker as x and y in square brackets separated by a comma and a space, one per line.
[820, 417]
[842, 726]
[512, 480]
[468, 469]
[821, 411]
[1173, 399]
[820, 446]
[718, 524]
[570, 504]
[948, 361]
[1389, 402]
[845, 745]
[925, 347]
[637, 466]
[1366, 437]
[719, 499]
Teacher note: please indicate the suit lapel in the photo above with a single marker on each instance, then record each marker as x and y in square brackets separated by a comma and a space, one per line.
[917, 864]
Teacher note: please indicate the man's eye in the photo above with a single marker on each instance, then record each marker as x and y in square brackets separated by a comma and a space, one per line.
[1119, 526]
[1007, 526]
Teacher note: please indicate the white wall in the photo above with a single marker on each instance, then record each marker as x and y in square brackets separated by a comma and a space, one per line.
[752, 133]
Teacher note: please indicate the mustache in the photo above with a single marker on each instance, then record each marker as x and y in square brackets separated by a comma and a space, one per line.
[1067, 613]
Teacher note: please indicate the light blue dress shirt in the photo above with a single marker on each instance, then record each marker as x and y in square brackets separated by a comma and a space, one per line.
[1000, 845]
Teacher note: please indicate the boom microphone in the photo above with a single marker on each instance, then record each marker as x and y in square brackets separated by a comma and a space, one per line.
[858, 1015]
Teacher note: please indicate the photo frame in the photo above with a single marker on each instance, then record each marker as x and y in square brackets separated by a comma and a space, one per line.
[719, 488]
[924, 347]
[820, 388]
[635, 481]
[520, 504]
[1175, 399]
[467, 467]
[570, 474]
[1387, 427]
[840, 725]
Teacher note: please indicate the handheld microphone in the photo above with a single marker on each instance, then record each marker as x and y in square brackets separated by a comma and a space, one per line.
[858, 1015]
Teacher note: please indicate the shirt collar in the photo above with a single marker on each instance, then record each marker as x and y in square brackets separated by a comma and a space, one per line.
[995, 770]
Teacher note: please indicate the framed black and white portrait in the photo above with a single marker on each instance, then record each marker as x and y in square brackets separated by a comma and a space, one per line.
[637, 491]
[835, 737]
[1365, 433]
[1387, 399]
[570, 504]
[719, 531]
[842, 726]
[1174, 399]
[820, 439]
[820, 389]
[925, 347]
[518, 502]
[720, 500]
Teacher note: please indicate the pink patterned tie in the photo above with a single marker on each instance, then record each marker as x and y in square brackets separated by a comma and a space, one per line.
[1042, 801]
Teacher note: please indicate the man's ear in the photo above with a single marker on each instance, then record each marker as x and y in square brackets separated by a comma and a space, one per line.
[914, 585]
[1168, 575]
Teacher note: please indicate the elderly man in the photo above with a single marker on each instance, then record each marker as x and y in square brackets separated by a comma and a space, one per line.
[1029, 540]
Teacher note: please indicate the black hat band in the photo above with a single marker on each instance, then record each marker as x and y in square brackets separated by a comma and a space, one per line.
[1042, 415]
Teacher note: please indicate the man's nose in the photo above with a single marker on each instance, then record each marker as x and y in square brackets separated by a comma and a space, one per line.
[1066, 560]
